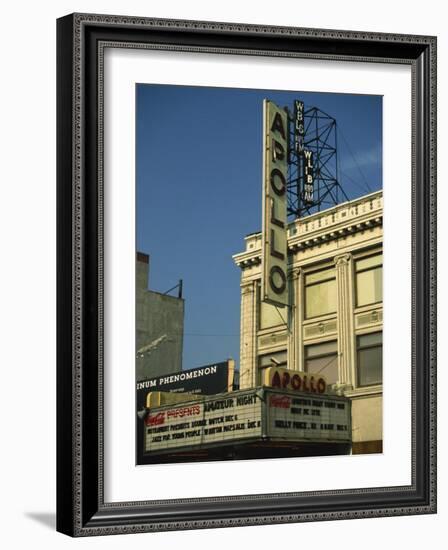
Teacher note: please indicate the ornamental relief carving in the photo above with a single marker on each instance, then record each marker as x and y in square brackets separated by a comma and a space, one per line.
[248, 288]
[295, 273]
[342, 260]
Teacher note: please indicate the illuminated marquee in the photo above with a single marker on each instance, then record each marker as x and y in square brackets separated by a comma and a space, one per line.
[274, 256]
[247, 416]
[308, 418]
[232, 417]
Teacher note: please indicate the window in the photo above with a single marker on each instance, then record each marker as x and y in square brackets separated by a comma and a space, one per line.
[274, 359]
[272, 316]
[370, 359]
[320, 293]
[323, 359]
[369, 280]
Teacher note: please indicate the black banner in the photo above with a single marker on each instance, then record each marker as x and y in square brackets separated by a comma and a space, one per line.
[208, 380]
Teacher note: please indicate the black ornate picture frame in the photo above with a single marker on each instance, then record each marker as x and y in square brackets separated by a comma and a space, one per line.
[81, 508]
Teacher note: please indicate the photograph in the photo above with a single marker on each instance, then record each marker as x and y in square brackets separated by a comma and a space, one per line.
[231, 351]
[258, 274]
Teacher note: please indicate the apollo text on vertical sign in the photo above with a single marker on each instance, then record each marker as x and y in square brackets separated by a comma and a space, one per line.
[274, 256]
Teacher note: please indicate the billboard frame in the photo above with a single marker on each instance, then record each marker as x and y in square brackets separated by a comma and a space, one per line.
[81, 42]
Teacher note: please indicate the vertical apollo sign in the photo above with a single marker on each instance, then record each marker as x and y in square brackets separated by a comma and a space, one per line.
[274, 287]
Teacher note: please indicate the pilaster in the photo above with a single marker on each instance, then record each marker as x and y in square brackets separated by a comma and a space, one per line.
[248, 353]
[346, 343]
[295, 333]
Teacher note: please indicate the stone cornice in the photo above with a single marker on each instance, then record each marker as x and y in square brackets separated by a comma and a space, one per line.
[364, 391]
[302, 242]
[297, 243]
[247, 259]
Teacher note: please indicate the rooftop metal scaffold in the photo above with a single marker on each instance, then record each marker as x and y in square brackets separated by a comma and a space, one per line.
[313, 183]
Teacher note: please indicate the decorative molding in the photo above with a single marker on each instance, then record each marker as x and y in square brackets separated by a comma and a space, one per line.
[323, 328]
[295, 273]
[342, 260]
[247, 288]
[302, 242]
[364, 391]
[128, 525]
[373, 317]
[243, 28]
[274, 339]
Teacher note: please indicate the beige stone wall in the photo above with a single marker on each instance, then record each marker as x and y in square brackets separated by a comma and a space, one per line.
[335, 238]
[367, 418]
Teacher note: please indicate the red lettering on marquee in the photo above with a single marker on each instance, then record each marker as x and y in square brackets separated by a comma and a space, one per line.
[155, 419]
[184, 411]
[280, 401]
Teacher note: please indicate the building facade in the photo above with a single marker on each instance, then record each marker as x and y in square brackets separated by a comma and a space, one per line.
[159, 327]
[333, 323]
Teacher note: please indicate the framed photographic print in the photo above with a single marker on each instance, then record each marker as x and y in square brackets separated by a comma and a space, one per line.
[246, 274]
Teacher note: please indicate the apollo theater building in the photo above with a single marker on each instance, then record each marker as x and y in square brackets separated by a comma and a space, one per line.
[311, 293]
[310, 372]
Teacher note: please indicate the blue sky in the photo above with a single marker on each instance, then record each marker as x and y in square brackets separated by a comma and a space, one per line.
[199, 169]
